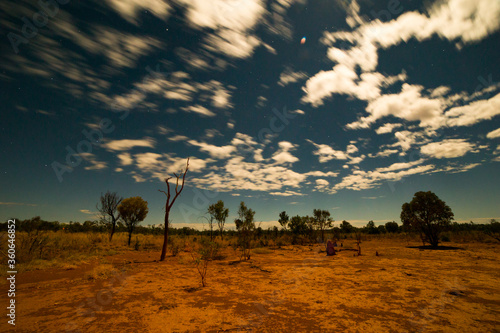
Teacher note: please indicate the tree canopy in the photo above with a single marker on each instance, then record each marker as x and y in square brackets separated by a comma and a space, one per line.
[427, 214]
[132, 211]
[284, 219]
[219, 213]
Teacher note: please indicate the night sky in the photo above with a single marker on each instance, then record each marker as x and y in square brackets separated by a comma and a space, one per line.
[286, 104]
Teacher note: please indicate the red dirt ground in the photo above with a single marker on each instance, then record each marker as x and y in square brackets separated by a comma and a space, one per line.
[292, 289]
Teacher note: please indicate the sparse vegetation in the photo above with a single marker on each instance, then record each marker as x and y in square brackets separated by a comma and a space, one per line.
[207, 251]
[246, 226]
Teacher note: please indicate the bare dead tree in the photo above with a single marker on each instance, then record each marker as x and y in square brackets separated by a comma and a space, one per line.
[169, 204]
[108, 209]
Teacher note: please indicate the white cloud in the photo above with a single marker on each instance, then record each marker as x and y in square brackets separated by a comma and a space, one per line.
[474, 112]
[125, 159]
[16, 204]
[239, 15]
[86, 211]
[494, 134]
[409, 104]
[351, 149]
[283, 154]
[176, 138]
[387, 128]
[362, 180]
[121, 49]
[131, 9]
[321, 184]
[214, 151]
[232, 43]
[159, 166]
[286, 193]
[288, 76]
[449, 148]
[297, 112]
[327, 153]
[127, 144]
[198, 109]
[459, 21]
[94, 163]
[356, 160]
[232, 22]
[342, 79]
[440, 91]
[322, 174]
[406, 139]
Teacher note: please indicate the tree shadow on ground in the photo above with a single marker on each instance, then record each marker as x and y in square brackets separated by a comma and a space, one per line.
[440, 247]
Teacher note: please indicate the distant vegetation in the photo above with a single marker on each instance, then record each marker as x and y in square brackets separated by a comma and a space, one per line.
[426, 218]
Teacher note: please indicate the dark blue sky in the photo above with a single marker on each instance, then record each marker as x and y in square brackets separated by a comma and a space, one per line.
[382, 100]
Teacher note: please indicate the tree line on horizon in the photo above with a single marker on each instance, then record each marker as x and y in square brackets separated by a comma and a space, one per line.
[425, 214]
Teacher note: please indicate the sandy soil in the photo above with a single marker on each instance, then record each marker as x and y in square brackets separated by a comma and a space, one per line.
[293, 289]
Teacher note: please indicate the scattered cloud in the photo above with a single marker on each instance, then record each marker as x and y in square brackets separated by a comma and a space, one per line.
[17, 204]
[131, 9]
[199, 109]
[327, 153]
[286, 193]
[494, 134]
[409, 104]
[127, 144]
[450, 148]
[214, 151]
[288, 76]
[94, 163]
[283, 154]
[474, 112]
[387, 128]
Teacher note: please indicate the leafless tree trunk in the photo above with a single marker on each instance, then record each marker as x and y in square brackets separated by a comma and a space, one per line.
[169, 204]
[109, 204]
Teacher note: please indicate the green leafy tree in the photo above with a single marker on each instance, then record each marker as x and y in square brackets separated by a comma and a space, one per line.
[298, 225]
[371, 228]
[245, 226]
[108, 208]
[284, 219]
[220, 214]
[346, 227]
[493, 229]
[427, 214]
[322, 220]
[132, 211]
[391, 227]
